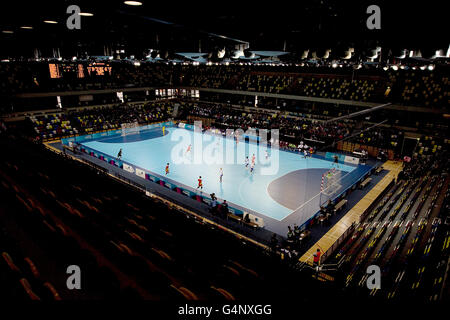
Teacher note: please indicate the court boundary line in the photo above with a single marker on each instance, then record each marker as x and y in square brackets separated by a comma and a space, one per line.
[165, 201]
[231, 203]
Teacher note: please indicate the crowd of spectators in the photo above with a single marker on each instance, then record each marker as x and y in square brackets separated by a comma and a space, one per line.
[386, 138]
[311, 131]
[89, 120]
[292, 129]
[423, 88]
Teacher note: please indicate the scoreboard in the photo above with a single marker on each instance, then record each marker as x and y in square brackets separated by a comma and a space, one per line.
[99, 68]
[58, 70]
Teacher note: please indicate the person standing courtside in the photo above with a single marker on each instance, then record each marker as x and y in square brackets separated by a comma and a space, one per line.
[316, 259]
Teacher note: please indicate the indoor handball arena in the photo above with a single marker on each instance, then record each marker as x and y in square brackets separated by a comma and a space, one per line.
[225, 160]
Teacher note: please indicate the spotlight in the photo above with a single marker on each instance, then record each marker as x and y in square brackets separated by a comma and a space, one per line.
[394, 68]
[431, 67]
[133, 3]
[221, 53]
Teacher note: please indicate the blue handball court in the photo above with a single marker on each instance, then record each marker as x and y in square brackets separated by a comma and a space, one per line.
[283, 189]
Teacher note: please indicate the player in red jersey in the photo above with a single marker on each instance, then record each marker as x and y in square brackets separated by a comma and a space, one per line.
[167, 169]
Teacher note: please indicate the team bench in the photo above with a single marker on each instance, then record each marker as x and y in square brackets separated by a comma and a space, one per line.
[340, 205]
[365, 183]
[239, 219]
[250, 224]
[234, 217]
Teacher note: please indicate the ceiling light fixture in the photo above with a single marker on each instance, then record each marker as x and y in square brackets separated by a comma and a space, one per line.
[26, 27]
[86, 14]
[133, 3]
[8, 31]
[50, 21]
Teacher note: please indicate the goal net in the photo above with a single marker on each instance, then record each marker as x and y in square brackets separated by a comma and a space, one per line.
[130, 128]
[331, 182]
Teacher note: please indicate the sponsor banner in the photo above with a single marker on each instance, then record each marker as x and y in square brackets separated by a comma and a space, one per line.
[168, 185]
[152, 178]
[259, 221]
[350, 159]
[187, 192]
[207, 201]
[181, 125]
[128, 168]
[187, 126]
[140, 173]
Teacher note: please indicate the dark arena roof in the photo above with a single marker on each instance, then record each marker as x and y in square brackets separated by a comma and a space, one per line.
[217, 159]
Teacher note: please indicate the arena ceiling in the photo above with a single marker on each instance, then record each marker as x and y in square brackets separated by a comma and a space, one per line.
[204, 26]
